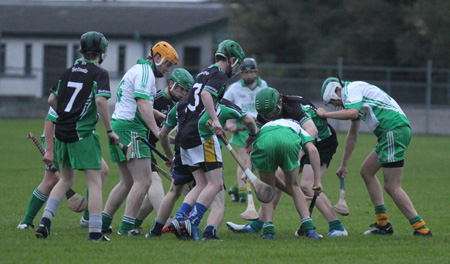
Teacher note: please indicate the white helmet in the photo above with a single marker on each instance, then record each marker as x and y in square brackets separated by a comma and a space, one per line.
[329, 90]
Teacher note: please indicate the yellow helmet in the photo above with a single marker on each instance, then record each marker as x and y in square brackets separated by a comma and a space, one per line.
[166, 51]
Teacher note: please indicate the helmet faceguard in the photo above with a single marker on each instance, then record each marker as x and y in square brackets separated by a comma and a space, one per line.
[328, 92]
[266, 100]
[167, 53]
[182, 78]
[228, 49]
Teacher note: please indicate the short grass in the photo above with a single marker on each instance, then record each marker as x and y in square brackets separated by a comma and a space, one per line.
[426, 180]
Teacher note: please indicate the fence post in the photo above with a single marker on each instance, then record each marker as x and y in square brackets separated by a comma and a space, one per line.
[428, 96]
[340, 72]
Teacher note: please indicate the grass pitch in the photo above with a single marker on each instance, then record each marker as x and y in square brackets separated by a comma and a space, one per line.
[426, 180]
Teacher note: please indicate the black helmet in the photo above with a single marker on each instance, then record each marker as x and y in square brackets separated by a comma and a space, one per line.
[93, 42]
[249, 64]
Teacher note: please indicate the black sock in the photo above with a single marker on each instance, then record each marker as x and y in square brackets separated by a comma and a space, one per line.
[95, 235]
[157, 228]
[46, 222]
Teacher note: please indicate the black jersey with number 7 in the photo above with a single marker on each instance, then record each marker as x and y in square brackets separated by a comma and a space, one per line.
[76, 91]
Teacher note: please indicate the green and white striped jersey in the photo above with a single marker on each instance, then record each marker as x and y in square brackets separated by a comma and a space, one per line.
[138, 82]
[376, 108]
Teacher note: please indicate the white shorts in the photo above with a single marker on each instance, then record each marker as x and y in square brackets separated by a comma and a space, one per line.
[209, 151]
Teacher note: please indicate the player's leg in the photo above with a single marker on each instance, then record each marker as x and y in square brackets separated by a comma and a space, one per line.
[38, 199]
[215, 217]
[267, 208]
[214, 183]
[241, 185]
[141, 172]
[257, 225]
[64, 184]
[165, 209]
[392, 185]
[323, 204]
[84, 221]
[373, 185]
[94, 184]
[116, 197]
[153, 199]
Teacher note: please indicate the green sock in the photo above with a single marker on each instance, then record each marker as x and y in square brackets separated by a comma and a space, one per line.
[256, 225]
[127, 224]
[336, 225]
[268, 228]
[307, 224]
[380, 209]
[419, 225]
[243, 194]
[138, 222]
[86, 211]
[106, 221]
[35, 204]
[381, 216]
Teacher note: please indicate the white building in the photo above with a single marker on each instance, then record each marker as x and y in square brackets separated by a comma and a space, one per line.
[39, 39]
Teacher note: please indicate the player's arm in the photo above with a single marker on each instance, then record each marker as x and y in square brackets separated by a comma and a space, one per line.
[146, 109]
[252, 130]
[165, 143]
[344, 114]
[49, 127]
[350, 143]
[313, 154]
[103, 110]
[208, 102]
[159, 116]
[231, 126]
[164, 134]
[309, 127]
[52, 100]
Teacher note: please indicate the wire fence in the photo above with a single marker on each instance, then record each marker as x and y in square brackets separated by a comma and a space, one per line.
[423, 93]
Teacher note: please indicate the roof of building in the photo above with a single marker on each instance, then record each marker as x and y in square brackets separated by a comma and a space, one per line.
[114, 19]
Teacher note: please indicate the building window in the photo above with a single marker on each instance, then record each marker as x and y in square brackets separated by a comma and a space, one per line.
[122, 53]
[28, 59]
[76, 52]
[2, 58]
[192, 59]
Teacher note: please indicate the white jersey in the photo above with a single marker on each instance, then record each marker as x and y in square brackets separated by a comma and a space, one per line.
[376, 108]
[294, 125]
[243, 96]
[138, 82]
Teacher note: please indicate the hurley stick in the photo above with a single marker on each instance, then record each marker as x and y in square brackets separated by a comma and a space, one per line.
[75, 202]
[341, 207]
[264, 192]
[250, 214]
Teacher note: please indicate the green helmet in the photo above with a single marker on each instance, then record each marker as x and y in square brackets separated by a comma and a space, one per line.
[230, 48]
[93, 42]
[182, 78]
[266, 100]
[329, 89]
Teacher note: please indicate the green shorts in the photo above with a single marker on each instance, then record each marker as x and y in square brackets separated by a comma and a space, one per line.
[239, 138]
[276, 148]
[140, 150]
[392, 145]
[55, 157]
[80, 155]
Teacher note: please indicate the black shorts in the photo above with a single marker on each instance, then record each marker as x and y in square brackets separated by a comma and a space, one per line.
[207, 166]
[326, 148]
[182, 175]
